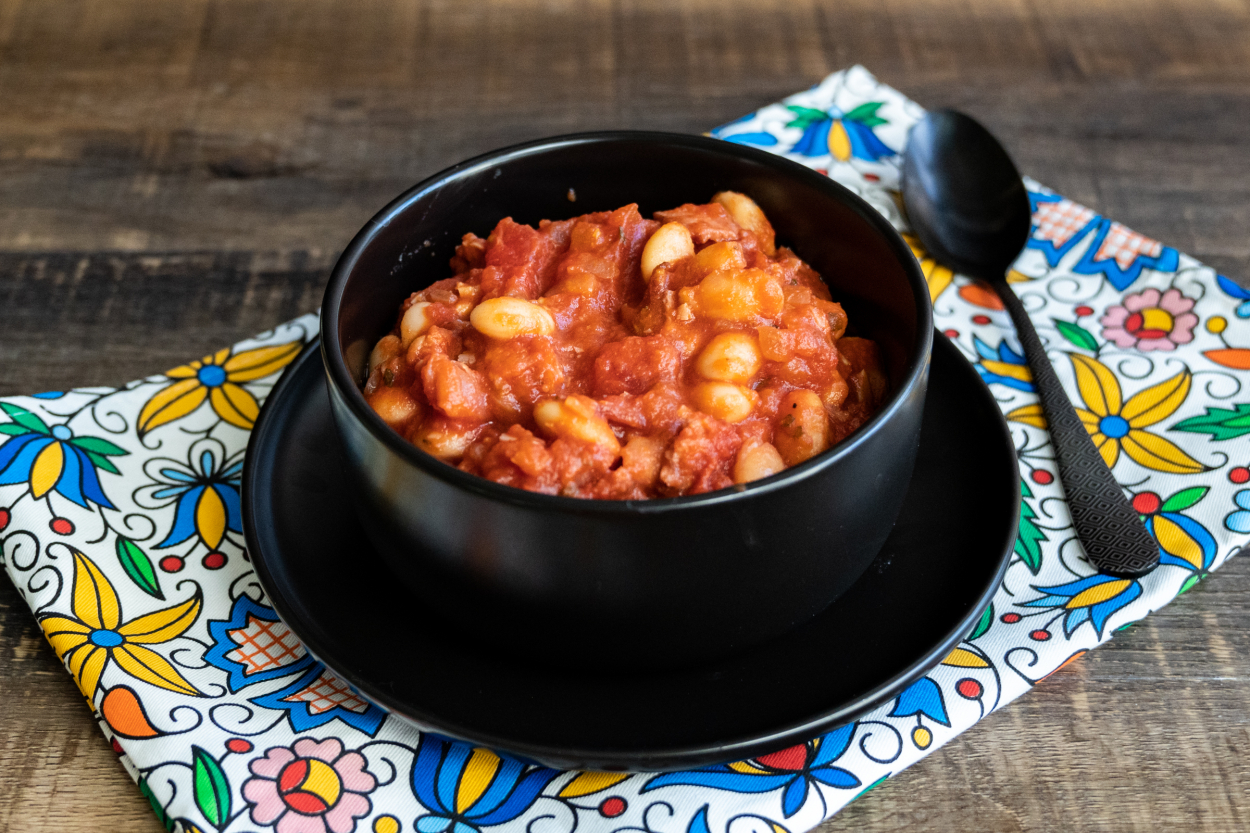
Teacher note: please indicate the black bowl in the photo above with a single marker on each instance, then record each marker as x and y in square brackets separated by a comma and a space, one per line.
[647, 582]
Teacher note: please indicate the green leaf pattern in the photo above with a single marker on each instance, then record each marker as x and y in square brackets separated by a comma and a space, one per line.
[1029, 541]
[138, 567]
[1220, 423]
[1076, 334]
[211, 788]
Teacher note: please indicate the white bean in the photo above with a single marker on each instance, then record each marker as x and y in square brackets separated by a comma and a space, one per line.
[642, 458]
[576, 417]
[387, 348]
[447, 441]
[505, 318]
[802, 427]
[670, 242]
[757, 461]
[749, 216]
[730, 357]
[741, 296]
[725, 401]
[726, 255]
[415, 322]
[395, 406]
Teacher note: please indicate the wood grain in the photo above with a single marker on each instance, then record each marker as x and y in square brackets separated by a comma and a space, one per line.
[177, 175]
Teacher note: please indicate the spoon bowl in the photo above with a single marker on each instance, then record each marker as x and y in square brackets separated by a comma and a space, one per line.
[964, 197]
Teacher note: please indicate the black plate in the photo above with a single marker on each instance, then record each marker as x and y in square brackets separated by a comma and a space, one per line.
[935, 575]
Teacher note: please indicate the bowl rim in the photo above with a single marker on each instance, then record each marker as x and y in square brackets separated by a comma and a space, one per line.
[343, 383]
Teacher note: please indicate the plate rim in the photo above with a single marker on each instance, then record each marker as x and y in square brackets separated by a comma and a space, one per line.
[655, 759]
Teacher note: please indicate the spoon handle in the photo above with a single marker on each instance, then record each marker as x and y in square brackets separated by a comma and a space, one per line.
[1110, 530]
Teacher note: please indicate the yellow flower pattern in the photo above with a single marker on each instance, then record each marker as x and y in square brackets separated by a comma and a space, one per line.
[1116, 425]
[938, 277]
[96, 634]
[218, 378]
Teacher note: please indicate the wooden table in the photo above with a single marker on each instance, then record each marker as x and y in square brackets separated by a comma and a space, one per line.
[177, 175]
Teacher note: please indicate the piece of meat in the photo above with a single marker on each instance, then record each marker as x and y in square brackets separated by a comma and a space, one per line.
[707, 223]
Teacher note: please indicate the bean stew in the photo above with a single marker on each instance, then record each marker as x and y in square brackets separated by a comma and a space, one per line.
[617, 357]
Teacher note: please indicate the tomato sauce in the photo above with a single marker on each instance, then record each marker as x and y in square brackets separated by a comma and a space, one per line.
[618, 357]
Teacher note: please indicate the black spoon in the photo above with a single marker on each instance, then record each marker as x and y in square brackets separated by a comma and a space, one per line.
[967, 204]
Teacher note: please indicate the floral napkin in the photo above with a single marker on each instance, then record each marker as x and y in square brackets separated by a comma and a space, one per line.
[120, 525]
